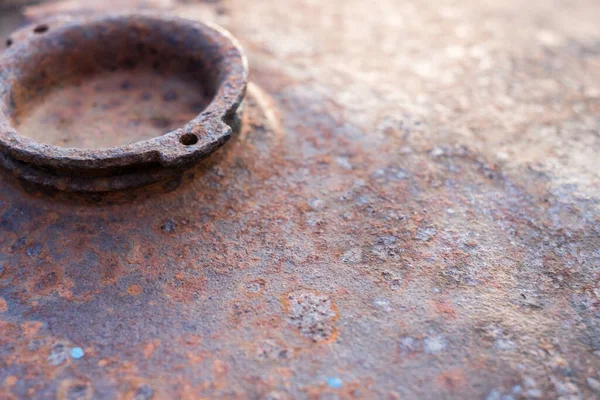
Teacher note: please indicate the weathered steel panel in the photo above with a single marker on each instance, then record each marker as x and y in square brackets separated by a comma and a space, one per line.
[411, 210]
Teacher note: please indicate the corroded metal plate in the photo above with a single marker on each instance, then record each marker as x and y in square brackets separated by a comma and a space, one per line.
[410, 211]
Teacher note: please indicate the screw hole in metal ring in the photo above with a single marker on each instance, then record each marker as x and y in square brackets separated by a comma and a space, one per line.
[41, 29]
[9, 42]
[189, 139]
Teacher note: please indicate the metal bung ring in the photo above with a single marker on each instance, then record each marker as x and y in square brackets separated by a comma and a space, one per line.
[61, 55]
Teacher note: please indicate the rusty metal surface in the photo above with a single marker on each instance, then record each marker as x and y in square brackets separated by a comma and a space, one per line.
[411, 210]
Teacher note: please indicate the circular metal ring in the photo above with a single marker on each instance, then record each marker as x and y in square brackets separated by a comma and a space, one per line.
[42, 57]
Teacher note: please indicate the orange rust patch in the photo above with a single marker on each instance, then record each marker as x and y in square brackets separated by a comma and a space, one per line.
[195, 358]
[185, 286]
[31, 328]
[135, 290]
[219, 370]
[219, 367]
[280, 376]
[452, 379]
[10, 381]
[445, 308]
[110, 271]
[3, 305]
[110, 362]
[64, 289]
[47, 283]
[149, 348]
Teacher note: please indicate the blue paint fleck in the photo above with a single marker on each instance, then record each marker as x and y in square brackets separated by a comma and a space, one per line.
[76, 352]
[334, 383]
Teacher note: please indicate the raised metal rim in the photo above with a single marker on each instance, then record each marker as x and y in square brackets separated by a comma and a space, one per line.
[211, 126]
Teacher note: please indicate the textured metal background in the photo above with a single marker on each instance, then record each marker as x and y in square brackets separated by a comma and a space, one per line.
[411, 211]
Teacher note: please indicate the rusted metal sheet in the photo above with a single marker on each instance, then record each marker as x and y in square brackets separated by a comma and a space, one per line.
[410, 210]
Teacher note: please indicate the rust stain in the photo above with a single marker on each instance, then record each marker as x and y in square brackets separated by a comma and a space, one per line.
[10, 381]
[452, 380]
[135, 290]
[149, 348]
[31, 328]
[392, 218]
[445, 308]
